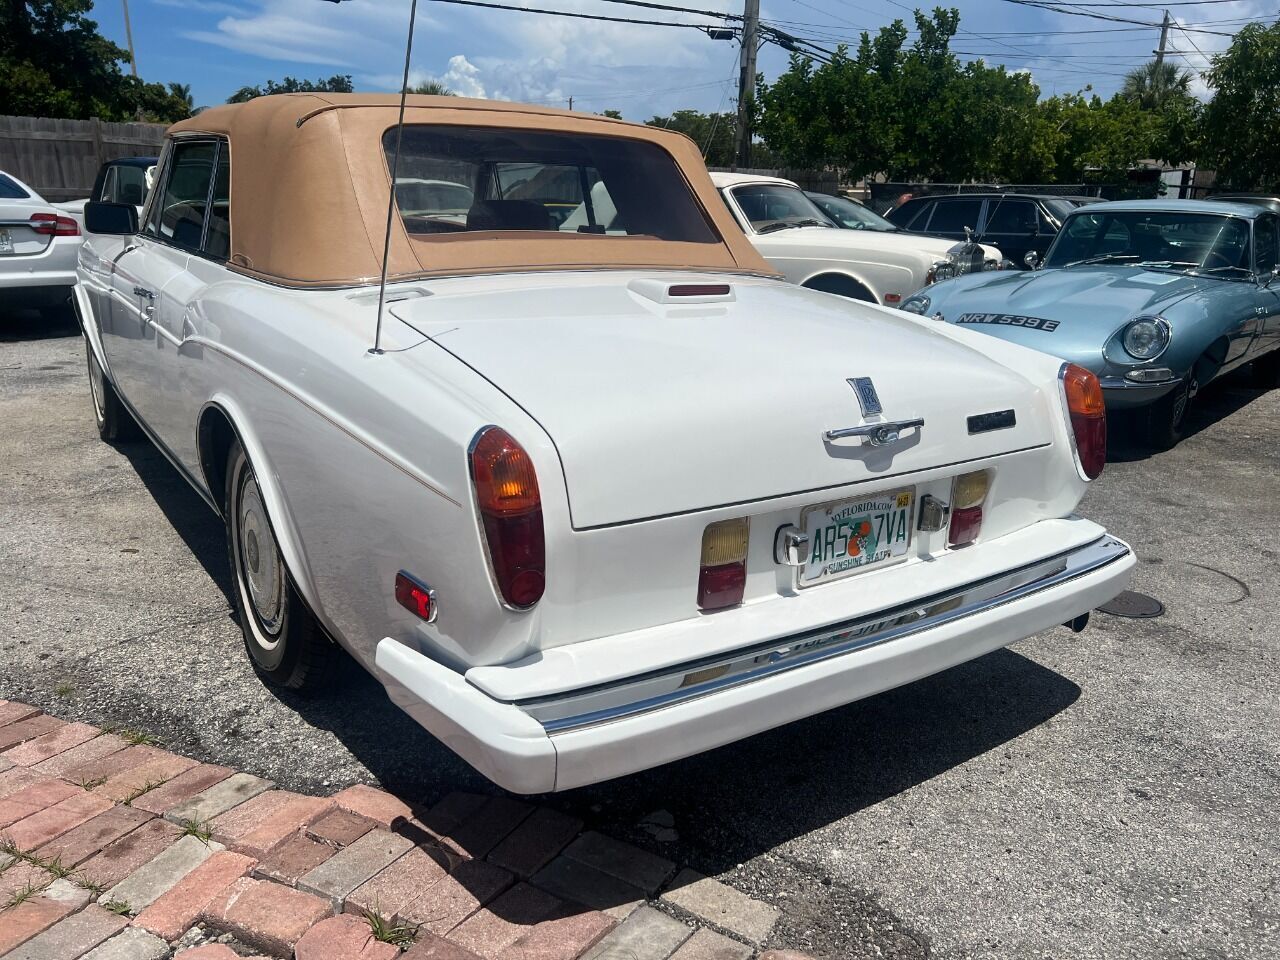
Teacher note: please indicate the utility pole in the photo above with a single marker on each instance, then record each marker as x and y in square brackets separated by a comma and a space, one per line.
[128, 32]
[1164, 39]
[747, 79]
[571, 103]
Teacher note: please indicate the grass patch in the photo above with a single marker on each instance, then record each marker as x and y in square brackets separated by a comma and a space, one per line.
[84, 883]
[201, 831]
[89, 783]
[137, 738]
[26, 893]
[118, 907]
[63, 690]
[135, 794]
[384, 931]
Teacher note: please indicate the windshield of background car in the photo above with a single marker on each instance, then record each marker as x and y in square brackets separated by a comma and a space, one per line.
[9, 189]
[1203, 243]
[776, 206]
[466, 179]
[852, 216]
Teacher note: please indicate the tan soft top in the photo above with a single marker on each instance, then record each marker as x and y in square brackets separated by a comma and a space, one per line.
[310, 181]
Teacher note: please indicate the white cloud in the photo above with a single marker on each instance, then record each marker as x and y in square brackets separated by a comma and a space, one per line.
[462, 77]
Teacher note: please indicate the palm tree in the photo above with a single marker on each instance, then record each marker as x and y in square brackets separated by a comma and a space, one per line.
[182, 93]
[432, 88]
[1155, 82]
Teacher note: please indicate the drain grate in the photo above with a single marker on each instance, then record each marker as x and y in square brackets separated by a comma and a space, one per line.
[1136, 606]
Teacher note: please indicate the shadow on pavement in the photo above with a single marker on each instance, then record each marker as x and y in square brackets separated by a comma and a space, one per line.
[1216, 402]
[31, 324]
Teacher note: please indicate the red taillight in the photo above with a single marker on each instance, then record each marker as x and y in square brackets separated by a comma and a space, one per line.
[416, 597]
[52, 225]
[1088, 417]
[968, 494]
[966, 524]
[511, 512]
[722, 572]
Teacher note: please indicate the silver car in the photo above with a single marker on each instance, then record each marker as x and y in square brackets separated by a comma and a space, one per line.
[39, 246]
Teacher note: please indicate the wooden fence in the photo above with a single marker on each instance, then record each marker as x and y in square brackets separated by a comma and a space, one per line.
[60, 158]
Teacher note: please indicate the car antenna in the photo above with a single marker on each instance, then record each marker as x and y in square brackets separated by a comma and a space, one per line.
[395, 167]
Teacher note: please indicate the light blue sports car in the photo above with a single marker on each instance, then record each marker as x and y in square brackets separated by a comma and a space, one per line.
[1157, 297]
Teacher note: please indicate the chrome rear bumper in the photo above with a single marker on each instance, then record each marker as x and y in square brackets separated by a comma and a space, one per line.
[637, 695]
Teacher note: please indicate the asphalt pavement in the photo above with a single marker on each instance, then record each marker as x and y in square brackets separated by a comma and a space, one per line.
[1110, 794]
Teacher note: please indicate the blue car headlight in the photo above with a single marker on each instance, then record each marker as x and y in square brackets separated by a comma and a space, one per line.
[1145, 338]
[916, 303]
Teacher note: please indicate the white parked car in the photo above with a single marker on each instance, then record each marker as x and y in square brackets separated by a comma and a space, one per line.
[38, 245]
[606, 495]
[801, 241]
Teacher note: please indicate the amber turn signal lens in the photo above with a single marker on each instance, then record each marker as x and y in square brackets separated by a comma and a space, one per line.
[1084, 392]
[511, 513]
[725, 542]
[504, 477]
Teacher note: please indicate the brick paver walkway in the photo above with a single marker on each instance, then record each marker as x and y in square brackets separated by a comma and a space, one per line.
[113, 849]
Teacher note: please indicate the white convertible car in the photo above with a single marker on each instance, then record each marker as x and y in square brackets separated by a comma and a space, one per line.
[802, 242]
[604, 496]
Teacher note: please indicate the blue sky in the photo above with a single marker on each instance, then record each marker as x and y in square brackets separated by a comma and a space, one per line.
[218, 46]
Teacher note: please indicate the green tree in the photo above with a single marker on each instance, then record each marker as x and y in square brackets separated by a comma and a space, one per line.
[712, 132]
[1154, 84]
[338, 83]
[613, 114]
[432, 88]
[1241, 128]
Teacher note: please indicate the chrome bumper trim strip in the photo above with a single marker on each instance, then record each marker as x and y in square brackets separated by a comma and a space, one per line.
[592, 706]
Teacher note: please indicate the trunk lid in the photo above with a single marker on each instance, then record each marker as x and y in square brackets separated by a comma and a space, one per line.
[17, 239]
[660, 408]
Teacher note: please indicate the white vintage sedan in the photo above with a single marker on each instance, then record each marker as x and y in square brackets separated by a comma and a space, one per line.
[605, 495]
[802, 242]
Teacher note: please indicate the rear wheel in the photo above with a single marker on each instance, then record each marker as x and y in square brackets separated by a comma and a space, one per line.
[1167, 417]
[285, 642]
[115, 423]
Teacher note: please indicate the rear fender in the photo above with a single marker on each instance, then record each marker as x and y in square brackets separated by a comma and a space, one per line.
[282, 523]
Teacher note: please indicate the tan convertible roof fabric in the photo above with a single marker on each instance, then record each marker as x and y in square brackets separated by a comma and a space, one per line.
[309, 191]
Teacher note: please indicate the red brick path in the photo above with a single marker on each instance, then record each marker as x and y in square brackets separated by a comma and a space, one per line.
[98, 858]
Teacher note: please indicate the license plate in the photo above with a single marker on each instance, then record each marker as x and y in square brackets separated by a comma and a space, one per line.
[850, 536]
[6, 242]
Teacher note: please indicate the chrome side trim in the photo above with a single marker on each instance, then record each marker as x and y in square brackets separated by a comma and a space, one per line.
[593, 706]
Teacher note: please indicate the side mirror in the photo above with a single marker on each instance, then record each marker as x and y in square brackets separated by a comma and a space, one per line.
[114, 219]
[1032, 260]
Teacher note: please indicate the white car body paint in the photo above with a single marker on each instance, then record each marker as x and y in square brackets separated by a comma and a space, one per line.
[886, 264]
[647, 418]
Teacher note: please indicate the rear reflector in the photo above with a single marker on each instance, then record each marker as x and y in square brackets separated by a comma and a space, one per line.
[1088, 413]
[416, 597]
[722, 574]
[511, 513]
[968, 494]
[53, 225]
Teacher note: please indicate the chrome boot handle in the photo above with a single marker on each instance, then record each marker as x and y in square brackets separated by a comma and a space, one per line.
[877, 434]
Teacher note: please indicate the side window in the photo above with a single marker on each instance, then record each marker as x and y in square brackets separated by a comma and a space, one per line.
[1011, 216]
[1266, 243]
[952, 216]
[217, 243]
[129, 184]
[183, 204]
[915, 217]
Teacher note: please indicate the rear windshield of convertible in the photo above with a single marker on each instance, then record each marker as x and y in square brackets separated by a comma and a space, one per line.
[453, 179]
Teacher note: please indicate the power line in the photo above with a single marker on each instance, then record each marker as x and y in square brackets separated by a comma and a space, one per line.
[1052, 8]
[579, 16]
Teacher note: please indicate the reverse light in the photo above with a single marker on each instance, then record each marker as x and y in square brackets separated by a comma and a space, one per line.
[416, 597]
[511, 513]
[968, 494]
[722, 574]
[1082, 395]
[53, 225]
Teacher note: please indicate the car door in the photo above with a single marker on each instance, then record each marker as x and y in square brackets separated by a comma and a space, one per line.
[150, 287]
[1266, 256]
[1014, 226]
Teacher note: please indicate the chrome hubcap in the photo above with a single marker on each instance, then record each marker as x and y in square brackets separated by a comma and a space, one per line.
[260, 559]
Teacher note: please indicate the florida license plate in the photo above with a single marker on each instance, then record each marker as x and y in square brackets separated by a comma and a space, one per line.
[850, 536]
[6, 242]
